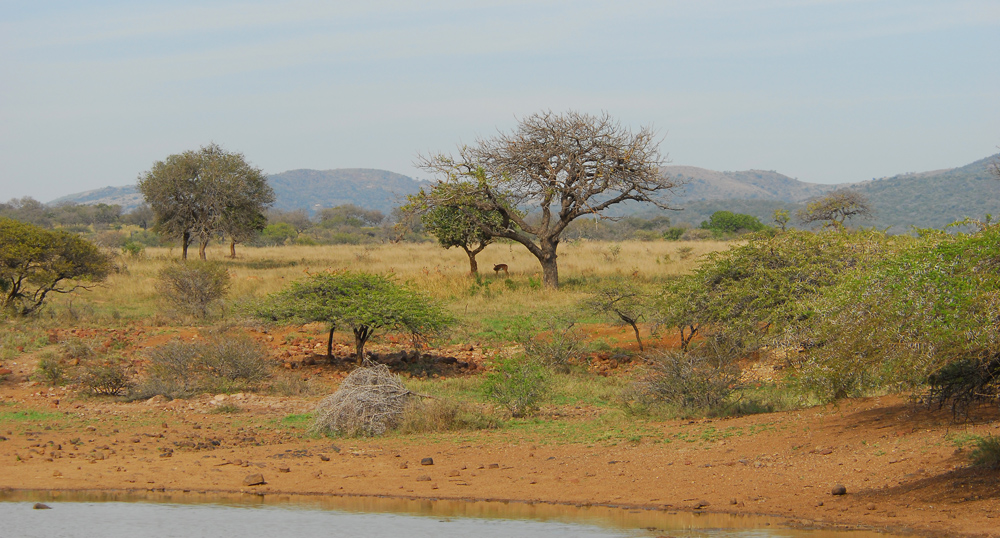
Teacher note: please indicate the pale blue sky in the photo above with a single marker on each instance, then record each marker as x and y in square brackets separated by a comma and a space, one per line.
[91, 93]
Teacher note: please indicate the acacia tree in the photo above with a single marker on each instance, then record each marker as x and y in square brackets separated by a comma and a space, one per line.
[197, 194]
[364, 302]
[623, 301]
[457, 226]
[564, 165]
[835, 208]
[35, 262]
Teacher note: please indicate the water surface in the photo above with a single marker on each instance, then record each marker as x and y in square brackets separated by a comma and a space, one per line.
[168, 515]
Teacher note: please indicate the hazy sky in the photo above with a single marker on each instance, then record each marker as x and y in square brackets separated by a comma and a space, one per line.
[92, 93]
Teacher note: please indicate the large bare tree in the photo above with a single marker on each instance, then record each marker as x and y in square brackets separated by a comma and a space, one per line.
[558, 167]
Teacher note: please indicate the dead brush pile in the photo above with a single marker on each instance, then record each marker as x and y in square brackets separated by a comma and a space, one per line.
[370, 401]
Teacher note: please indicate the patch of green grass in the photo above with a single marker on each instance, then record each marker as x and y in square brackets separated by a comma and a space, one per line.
[609, 429]
[585, 389]
[298, 421]
[986, 453]
[227, 409]
[960, 440]
[30, 415]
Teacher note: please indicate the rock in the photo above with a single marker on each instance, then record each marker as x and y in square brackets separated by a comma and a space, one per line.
[454, 473]
[870, 506]
[255, 479]
[57, 474]
[41, 506]
[158, 399]
[839, 489]
[324, 457]
[6, 371]
[493, 466]
[284, 469]
[423, 478]
[819, 503]
[700, 504]
[219, 397]
[733, 501]
[427, 461]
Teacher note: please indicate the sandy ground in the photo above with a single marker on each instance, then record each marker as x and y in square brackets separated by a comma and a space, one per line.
[905, 468]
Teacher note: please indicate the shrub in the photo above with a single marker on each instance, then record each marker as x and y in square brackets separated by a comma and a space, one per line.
[194, 288]
[693, 382]
[225, 363]
[133, 249]
[50, 371]
[516, 384]
[986, 452]
[696, 234]
[370, 401]
[105, 379]
[238, 359]
[437, 415]
[559, 340]
[674, 234]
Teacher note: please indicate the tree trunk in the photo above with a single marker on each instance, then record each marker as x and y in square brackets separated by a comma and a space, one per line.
[361, 335]
[185, 241]
[473, 265]
[232, 249]
[201, 249]
[329, 346]
[636, 329]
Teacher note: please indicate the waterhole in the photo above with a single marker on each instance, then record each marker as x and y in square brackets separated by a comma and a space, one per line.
[192, 515]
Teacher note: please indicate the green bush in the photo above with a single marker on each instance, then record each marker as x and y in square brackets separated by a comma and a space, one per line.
[727, 222]
[224, 363]
[986, 453]
[195, 288]
[674, 234]
[516, 384]
[50, 371]
[552, 339]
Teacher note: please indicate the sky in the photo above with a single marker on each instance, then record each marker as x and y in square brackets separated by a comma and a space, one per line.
[826, 91]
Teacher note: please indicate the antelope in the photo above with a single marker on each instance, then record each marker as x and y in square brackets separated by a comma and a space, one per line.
[500, 267]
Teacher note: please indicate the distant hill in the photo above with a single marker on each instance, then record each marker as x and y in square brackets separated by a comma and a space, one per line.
[701, 184]
[315, 189]
[926, 200]
[934, 199]
[295, 189]
[128, 197]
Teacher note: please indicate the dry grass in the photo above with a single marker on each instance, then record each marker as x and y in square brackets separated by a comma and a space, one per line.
[441, 273]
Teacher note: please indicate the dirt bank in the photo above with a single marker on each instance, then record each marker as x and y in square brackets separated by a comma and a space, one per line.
[904, 467]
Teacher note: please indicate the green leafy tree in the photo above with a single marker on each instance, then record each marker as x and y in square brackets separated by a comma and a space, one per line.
[197, 194]
[465, 226]
[365, 302]
[729, 222]
[781, 218]
[565, 166]
[835, 208]
[35, 262]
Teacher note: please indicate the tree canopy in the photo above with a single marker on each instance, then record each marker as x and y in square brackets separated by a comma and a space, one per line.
[197, 194]
[364, 302]
[35, 262]
[558, 167]
[835, 208]
[729, 222]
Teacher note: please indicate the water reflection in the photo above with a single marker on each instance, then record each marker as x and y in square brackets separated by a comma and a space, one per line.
[190, 515]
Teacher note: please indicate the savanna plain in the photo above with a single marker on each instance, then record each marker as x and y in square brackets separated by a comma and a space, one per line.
[767, 450]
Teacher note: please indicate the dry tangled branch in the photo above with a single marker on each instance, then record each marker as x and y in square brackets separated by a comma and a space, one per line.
[370, 401]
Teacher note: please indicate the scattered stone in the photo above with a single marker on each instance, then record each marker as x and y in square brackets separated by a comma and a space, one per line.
[255, 479]
[427, 461]
[284, 469]
[819, 503]
[870, 506]
[423, 478]
[404, 465]
[839, 489]
[700, 504]
[733, 501]
[219, 397]
[6, 371]
[91, 429]
[324, 457]
[454, 473]
[57, 474]
[158, 399]
[493, 466]
[41, 506]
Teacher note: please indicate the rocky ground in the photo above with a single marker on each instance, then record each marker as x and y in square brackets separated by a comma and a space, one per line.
[904, 467]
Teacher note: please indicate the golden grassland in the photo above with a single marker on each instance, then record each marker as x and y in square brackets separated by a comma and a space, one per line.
[131, 294]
